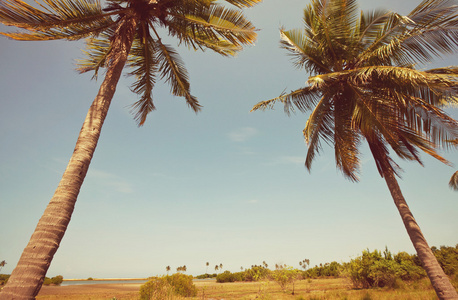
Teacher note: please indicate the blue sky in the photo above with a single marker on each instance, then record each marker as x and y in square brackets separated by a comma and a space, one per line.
[225, 186]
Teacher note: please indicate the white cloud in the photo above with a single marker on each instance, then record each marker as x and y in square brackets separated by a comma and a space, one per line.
[242, 134]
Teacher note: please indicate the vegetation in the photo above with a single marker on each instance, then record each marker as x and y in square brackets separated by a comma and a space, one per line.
[57, 280]
[168, 286]
[370, 270]
[206, 276]
[124, 32]
[373, 269]
[365, 88]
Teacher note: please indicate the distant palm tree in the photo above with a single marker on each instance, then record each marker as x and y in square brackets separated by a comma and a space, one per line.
[168, 270]
[124, 32]
[216, 267]
[2, 264]
[365, 88]
[304, 263]
[220, 267]
[207, 264]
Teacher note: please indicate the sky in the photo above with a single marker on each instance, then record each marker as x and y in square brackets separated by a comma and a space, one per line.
[223, 186]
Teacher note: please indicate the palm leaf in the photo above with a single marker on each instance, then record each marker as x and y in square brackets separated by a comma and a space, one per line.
[217, 22]
[305, 51]
[318, 126]
[454, 181]
[171, 68]
[63, 19]
[143, 60]
[243, 3]
[97, 52]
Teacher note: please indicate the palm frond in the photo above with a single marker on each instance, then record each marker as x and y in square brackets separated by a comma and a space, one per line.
[218, 22]
[62, 19]
[243, 3]
[305, 51]
[143, 61]
[97, 51]
[171, 68]
[346, 138]
[303, 99]
[433, 30]
[454, 181]
[319, 126]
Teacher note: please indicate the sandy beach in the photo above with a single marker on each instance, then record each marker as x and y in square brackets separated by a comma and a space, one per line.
[91, 291]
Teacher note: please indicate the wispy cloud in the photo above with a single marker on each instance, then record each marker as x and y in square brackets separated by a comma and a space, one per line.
[242, 134]
[108, 179]
[296, 160]
[252, 201]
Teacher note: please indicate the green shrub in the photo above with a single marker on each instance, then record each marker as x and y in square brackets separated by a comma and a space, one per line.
[447, 258]
[333, 269]
[227, 276]
[156, 288]
[206, 276]
[167, 286]
[53, 281]
[372, 270]
[182, 284]
[285, 276]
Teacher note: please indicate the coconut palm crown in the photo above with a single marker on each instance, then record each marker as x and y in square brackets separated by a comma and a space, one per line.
[198, 24]
[124, 32]
[364, 87]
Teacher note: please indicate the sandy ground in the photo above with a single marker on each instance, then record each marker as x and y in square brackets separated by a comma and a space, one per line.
[91, 291]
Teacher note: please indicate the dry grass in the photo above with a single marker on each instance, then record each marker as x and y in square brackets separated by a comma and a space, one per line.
[317, 289]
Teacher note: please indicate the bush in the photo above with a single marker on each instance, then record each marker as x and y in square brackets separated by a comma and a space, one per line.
[285, 276]
[53, 281]
[447, 258]
[206, 276]
[156, 288]
[167, 286]
[230, 277]
[374, 270]
[333, 269]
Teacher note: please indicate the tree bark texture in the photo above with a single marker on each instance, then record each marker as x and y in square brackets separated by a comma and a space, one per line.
[28, 276]
[439, 280]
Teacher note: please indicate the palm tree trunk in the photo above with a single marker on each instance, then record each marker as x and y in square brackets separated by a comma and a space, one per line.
[439, 280]
[27, 278]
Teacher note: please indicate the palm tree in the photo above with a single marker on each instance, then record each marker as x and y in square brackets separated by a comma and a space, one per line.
[365, 88]
[2, 264]
[168, 270]
[124, 32]
[216, 267]
[207, 264]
